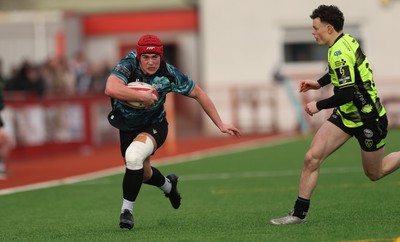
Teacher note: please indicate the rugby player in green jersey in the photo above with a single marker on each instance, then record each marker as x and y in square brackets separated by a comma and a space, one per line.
[357, 111]
[143, 131]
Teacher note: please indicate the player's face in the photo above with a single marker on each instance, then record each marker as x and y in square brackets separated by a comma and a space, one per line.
[149, 63]
[321, 32]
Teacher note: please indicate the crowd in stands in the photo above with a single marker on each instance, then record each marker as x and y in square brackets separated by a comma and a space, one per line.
[56, 76]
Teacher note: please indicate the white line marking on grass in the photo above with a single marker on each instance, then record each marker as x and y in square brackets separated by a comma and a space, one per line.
[373, 240]
[225, 150]
[64, 181]
[255, 174]
[228, 149]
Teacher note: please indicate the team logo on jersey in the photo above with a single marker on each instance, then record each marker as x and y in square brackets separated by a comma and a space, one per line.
[117, 67]
[158, 86]
[343, 74]
[368, 143]
[340, 63]
[123, 70]
[368, 133]
[337, 53]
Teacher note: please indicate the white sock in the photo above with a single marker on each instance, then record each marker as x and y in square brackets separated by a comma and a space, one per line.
[167, 186]
[126, 204]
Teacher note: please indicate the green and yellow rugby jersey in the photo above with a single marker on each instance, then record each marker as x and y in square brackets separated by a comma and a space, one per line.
[348, 66]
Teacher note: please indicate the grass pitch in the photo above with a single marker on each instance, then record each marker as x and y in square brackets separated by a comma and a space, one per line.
[225, 197]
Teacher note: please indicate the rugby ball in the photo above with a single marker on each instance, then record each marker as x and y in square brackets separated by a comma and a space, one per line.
[140, 86]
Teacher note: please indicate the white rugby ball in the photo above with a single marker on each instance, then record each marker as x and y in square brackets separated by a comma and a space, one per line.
[140, 86]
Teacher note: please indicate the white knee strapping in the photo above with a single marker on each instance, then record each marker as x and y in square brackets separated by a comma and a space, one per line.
[141, 148]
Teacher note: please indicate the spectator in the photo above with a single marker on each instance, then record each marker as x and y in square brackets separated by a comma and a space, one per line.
[80, 68]
[27, 78]
[58, 76]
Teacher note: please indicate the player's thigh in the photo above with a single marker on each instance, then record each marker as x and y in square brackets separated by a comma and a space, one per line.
[372, 160]
[328, 138]
[371, 137]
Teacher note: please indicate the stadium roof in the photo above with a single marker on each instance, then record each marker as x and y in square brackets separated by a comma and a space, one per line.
[88, 6]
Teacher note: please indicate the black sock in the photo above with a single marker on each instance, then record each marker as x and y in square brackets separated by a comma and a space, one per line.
[132, 183]
[301, 207]
[157, 179]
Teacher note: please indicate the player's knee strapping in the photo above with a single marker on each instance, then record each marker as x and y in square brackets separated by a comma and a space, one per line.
[141, 148]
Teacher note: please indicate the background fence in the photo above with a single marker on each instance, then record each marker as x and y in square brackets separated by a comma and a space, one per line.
[70, 122]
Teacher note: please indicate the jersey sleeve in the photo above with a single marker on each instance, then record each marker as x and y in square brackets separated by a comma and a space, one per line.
[324, 80]
[341, 97]
[182, 84]
[125, 67]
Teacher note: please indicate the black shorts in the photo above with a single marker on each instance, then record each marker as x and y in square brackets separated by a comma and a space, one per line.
[371, 136]
[159, 131]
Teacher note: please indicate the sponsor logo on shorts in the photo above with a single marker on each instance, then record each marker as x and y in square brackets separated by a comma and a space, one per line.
[369, 143]
[368, 133]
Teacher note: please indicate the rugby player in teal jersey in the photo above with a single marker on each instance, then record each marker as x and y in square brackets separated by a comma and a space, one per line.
[143, 131]
[357, 111]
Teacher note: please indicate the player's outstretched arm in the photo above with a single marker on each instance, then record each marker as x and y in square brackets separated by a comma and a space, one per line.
[208, 106]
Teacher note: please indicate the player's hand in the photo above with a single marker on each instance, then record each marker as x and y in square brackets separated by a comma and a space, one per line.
[306, 85]
[311, 108]
[149, 99]
[231, 130]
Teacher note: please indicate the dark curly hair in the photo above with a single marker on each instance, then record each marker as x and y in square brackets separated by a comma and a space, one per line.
[329, 14]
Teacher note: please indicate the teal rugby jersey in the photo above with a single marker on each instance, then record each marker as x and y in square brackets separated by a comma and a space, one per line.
[348, 66]
[166, 79]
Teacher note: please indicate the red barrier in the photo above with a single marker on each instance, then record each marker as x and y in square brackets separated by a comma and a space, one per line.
[56, 123]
